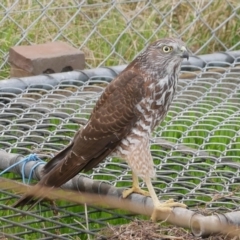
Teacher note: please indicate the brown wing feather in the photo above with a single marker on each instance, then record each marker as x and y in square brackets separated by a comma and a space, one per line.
[56, 159]
[111, 120]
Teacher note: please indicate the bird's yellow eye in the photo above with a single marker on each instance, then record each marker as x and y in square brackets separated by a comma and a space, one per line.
[167, 49]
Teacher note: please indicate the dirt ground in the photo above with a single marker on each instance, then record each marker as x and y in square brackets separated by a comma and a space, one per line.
[147, 230]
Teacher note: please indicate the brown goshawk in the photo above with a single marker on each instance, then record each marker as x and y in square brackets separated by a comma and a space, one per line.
[130, 107]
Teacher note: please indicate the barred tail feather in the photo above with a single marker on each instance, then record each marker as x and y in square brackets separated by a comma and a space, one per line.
[24, 200]
[31, 198]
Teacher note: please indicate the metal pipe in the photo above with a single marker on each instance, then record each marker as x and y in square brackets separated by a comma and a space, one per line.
[14, 85]
[199, 224]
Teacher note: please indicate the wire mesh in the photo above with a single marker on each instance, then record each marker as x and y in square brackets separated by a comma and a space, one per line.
[196, 149]
[107, 31]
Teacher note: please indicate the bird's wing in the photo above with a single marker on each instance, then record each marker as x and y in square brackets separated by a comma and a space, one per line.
[111, 120]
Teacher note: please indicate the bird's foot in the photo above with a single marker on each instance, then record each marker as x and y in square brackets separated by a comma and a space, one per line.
[134, 189]
[165, 207]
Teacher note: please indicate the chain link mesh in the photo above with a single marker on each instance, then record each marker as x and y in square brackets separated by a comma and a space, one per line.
[196, 149]
[113, 32]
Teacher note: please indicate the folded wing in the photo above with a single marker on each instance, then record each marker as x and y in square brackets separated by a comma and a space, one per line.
[111, 120]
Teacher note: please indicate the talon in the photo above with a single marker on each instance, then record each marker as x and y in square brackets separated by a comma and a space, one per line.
[165, 207]
[134, 189]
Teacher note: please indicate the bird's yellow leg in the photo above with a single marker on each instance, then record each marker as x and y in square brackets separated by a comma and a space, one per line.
[159, 207]
[135, 188]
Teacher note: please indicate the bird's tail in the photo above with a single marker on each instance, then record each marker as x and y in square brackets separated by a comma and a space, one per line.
[26, 200]
[33, 197]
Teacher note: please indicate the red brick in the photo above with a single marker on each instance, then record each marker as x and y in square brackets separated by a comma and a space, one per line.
[44, 58]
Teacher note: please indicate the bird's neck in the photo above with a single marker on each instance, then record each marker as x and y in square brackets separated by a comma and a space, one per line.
[153, 70]
[168, 72]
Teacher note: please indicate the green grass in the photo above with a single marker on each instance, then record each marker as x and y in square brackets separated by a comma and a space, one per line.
[212, 134]
[112, 36]
[124, 32]
[199, 128]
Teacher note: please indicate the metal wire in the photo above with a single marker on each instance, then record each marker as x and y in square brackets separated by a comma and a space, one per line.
[80, 23]
[196, 149]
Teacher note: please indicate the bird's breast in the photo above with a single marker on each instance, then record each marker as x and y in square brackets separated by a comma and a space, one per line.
[153, 108]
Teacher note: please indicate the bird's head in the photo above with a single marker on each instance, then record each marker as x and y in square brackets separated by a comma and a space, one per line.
[164, 55]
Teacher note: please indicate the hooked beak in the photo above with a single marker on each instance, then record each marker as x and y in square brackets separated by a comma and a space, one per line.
[184, 53]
